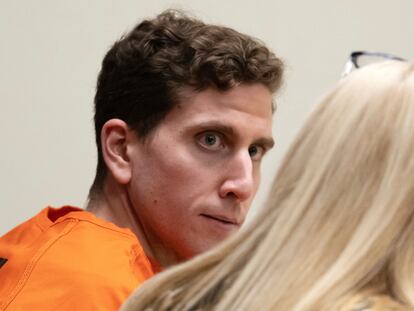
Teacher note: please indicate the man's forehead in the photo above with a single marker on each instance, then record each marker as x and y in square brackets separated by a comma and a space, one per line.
[245, 111]
[247, 94]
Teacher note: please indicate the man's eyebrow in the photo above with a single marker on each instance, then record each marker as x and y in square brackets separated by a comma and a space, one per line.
[216, 126]
[266, 142]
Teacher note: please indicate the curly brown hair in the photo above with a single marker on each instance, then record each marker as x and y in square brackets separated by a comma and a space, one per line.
[144, 72]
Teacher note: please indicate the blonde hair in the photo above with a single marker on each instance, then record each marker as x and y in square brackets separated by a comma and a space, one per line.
[338, 226]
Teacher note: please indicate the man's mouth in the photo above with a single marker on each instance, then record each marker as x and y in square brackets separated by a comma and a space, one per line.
[222, 219]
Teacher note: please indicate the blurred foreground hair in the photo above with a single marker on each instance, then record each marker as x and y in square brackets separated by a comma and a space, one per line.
[338, 228]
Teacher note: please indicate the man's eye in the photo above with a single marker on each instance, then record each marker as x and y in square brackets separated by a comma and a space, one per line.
[210, 140]
[256, 152]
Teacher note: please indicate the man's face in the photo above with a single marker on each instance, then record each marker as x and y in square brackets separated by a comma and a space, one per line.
[195, 176]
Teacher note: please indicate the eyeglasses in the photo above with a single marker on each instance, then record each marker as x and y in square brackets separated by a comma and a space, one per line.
[360, 59]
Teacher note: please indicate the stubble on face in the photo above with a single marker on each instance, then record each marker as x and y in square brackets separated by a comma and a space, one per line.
[195, 176]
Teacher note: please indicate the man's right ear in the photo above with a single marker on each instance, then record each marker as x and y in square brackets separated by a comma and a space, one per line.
[114, 140]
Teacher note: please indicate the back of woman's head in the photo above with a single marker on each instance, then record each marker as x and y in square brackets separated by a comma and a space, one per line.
[338, 225]
[347, 190]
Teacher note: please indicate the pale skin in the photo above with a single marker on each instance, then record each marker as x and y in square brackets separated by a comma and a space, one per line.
[190, 183]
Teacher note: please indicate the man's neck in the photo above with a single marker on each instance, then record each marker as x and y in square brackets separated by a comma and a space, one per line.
[113, 205]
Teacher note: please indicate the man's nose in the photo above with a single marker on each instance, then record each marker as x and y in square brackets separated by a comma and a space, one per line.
[239, 181]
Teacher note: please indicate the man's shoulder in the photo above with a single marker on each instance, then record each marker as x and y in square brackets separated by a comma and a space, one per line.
[68, 229]
[72, 252]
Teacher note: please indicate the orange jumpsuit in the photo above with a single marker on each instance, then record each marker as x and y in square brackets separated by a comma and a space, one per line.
[67, 259]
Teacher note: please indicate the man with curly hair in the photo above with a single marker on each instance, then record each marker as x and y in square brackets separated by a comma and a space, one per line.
[183, 117]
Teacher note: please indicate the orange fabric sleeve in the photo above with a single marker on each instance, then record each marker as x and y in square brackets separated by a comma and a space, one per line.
[77, 262]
